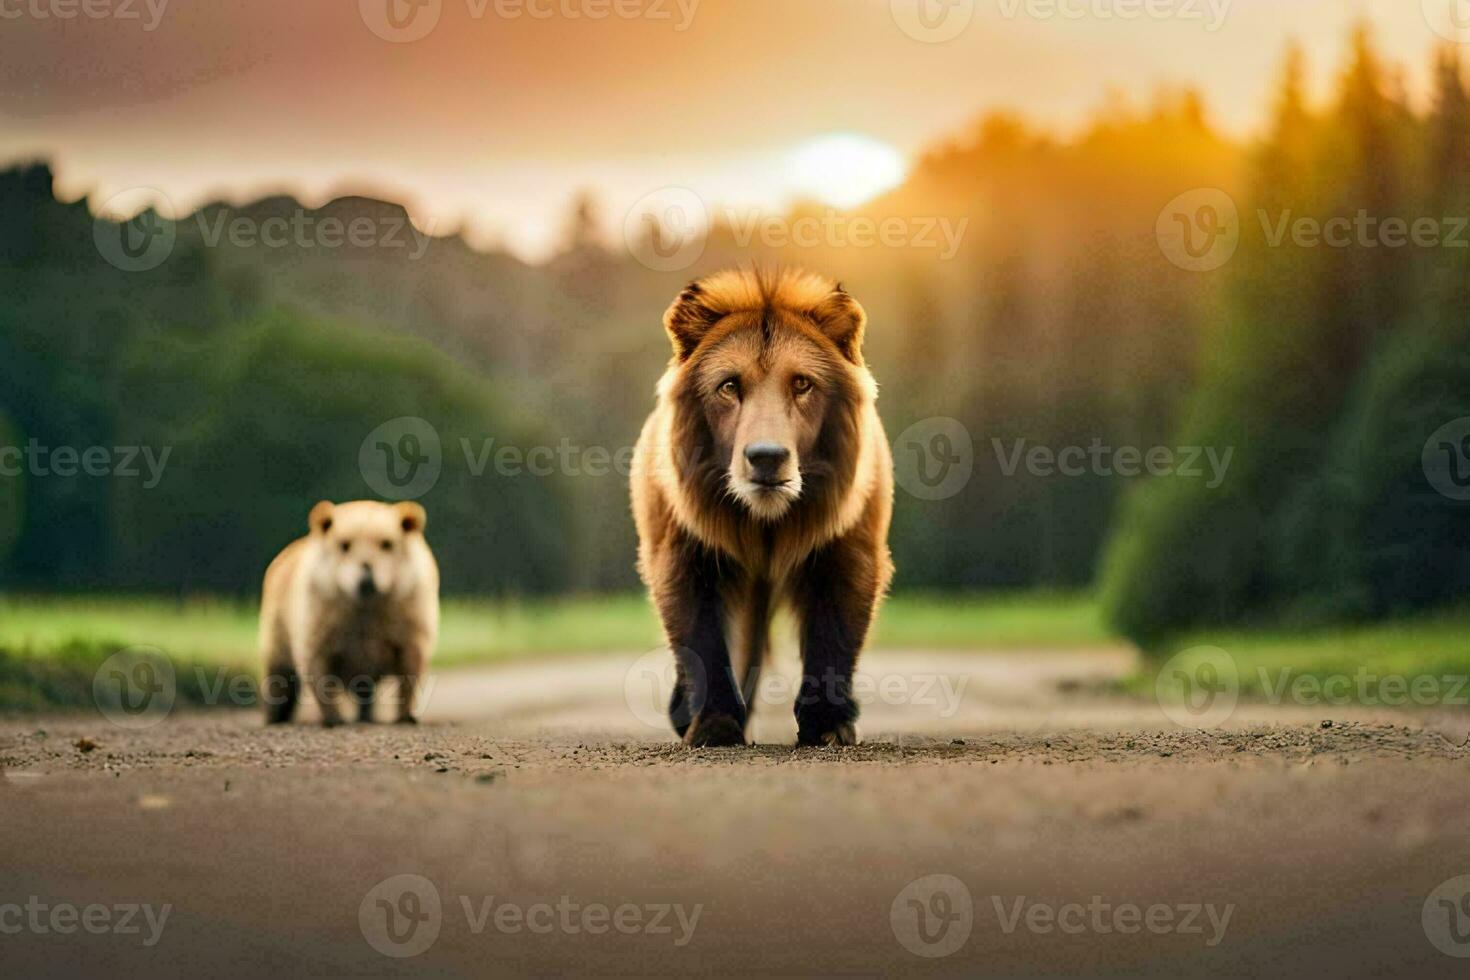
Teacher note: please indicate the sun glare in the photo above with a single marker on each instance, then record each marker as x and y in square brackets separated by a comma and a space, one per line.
[845, 169]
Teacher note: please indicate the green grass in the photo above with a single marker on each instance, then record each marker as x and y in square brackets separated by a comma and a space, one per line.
[51, 647]
[1434, 646]
[72, 676]
[481, 631]
[222, 632]
[1022, 620]
[209, 631]
[478, 631]
[213, 631]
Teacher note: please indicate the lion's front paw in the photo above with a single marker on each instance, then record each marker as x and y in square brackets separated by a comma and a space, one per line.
[843, 734]
[713, 730]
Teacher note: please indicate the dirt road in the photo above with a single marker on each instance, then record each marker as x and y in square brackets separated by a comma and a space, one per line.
[1003, 818]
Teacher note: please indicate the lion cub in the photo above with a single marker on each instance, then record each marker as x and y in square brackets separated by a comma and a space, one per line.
[354, 601]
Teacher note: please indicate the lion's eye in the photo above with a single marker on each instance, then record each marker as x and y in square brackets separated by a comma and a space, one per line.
[730, 388]
[387, 545]
[801, 385]
[346, 546]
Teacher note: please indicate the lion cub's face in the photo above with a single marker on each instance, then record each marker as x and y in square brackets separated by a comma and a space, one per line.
[364, 548]
[765, 389]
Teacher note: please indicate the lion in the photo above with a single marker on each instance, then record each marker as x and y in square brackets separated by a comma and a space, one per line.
[763, 478]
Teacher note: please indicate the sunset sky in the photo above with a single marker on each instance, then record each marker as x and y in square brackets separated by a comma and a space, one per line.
[497, 117]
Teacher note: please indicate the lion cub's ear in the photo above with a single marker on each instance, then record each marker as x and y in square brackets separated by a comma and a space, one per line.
[412, 517]
[321, 517]
[688, 320]
[843, 320]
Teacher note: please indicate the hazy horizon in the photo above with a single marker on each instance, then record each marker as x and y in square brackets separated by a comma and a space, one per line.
[497, 119]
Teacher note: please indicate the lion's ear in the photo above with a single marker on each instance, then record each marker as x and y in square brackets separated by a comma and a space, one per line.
[843, 320]
[688, 320]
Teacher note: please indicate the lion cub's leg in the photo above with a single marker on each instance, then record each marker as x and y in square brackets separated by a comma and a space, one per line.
[327, 687]
[410, 669]
[706, 708]
[835, 600]
[364, 692]
[280, 692]
[280, 688]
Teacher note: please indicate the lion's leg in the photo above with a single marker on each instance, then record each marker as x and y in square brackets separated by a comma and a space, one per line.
[835, 601]
[706, 708]
[680, 714]
[751, 640]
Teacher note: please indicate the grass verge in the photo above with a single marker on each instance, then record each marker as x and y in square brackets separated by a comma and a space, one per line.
[110, 676]
[1418, 661]
[51, 647]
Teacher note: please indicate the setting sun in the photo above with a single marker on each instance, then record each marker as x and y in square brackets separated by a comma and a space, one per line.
[846, 169]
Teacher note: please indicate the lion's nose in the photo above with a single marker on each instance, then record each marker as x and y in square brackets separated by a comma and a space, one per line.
[766, 459]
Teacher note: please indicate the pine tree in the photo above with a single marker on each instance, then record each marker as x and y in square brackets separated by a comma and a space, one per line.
[1449, 156]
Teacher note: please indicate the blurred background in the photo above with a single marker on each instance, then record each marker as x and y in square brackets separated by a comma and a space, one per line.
[261, 254]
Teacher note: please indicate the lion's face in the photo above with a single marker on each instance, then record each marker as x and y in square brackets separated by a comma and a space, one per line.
[765, 390]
